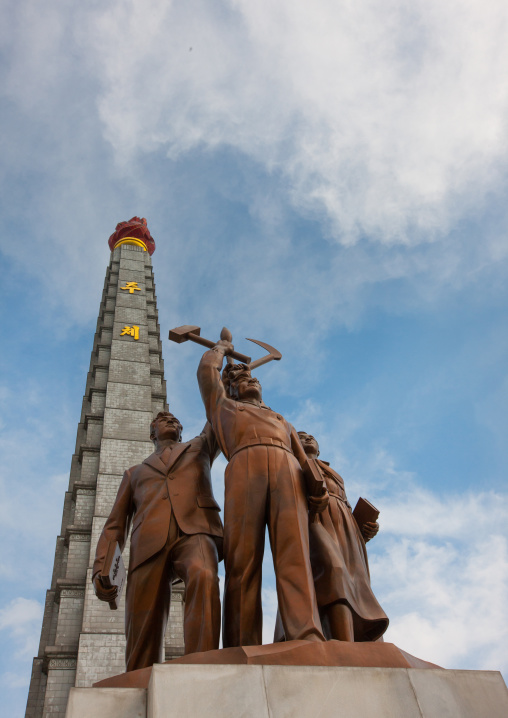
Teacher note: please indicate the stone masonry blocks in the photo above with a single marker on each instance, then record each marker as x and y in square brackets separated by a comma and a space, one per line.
[155, 362]
[131, 275]
[34, 703]
[100, 656]
[107, 489]
[58, 685]
[69, 619]
[156, 382]
[93, 431]
[154, 342]
[129, 351]
[133, 425]
[98, 616]
[117, 454]
[100, 377]
[129, 372]
[134, 301]
[158, 405]
[108, 319]
[132, 264]
[98, 402]
[85, 505]
[105, 335]
[130, 250]
[77, 559]
[128, 396]
[133, 254]
[104, 355]
[49, 609]
[97, 526]
[173, 638]
[131, 315]
[89, 467]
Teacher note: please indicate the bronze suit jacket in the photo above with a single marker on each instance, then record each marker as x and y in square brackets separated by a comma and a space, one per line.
[151, 491]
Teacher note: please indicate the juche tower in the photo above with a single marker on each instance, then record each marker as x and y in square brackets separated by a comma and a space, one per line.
[82, 639]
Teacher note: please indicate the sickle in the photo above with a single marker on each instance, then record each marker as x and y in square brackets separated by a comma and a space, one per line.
[273, 354]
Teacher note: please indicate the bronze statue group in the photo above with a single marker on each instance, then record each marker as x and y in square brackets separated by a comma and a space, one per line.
[319, 553]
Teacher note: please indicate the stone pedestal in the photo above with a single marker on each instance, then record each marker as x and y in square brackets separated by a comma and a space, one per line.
[110, 702]
[275, 691]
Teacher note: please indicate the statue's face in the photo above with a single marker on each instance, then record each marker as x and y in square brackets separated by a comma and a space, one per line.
[167, 427]
[246, 387]
[309, 443]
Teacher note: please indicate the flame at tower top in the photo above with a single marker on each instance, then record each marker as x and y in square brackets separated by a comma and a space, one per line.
[135, 231]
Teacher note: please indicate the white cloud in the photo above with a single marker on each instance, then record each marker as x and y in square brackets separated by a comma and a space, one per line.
[439, 567]
[447, 601]
[414, 511]
[371, 120]
[21, 618]
[374, 113]
[18, 613]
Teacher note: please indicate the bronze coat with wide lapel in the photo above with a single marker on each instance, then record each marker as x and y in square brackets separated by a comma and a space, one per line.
[334, 481]
[151, 491]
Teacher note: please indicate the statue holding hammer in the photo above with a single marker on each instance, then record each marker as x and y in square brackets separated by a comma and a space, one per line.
[264, 487]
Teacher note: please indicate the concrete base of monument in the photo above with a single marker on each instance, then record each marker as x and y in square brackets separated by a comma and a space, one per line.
[280, 691]
[288, 653]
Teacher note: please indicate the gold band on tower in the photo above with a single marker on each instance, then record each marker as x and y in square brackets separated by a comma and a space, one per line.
[131, 240]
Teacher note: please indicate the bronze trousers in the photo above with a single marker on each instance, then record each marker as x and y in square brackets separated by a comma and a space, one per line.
[264, 488]
[192, 558]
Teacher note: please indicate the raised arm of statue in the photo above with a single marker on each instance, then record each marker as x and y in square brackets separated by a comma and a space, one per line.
[209, 436]
[209, 379]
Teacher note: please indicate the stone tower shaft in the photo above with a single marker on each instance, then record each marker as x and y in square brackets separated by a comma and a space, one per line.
[82, 639]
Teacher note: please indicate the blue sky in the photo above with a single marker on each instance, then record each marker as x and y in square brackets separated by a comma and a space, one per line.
[329, 179]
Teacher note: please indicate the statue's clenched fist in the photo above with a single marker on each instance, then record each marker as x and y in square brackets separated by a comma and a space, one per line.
[103, 593]
[369, 530]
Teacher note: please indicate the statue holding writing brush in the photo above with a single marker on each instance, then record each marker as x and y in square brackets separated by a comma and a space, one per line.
[176, 534]
[265, 487]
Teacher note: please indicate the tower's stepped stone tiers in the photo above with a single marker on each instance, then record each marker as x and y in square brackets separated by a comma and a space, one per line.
[82, 640]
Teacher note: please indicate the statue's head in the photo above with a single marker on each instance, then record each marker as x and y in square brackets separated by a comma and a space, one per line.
[240, 384]
[165, 426]
[309, 443]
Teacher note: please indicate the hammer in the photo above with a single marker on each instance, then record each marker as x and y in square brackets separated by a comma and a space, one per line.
[182, 334]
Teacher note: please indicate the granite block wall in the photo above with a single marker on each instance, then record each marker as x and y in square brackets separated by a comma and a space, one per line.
[82, 639]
